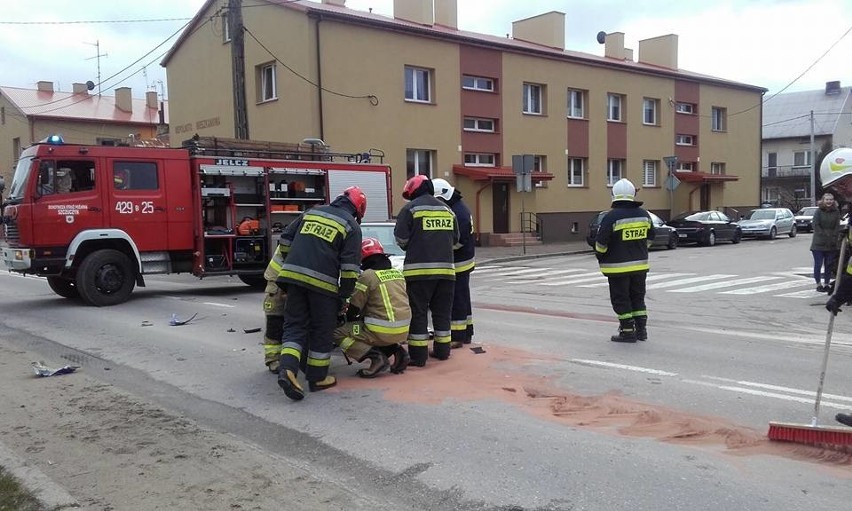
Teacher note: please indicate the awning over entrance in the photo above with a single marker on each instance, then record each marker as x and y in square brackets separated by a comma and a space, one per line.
[704, 177]
[493, 174]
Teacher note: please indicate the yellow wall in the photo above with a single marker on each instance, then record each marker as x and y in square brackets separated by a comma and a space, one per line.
[15, 126]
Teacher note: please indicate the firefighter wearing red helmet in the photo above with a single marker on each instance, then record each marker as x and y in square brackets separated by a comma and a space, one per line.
[322, 258]
[378, 315]
[427, 231]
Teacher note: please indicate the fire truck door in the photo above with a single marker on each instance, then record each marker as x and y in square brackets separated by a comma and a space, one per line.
[67, 201]
[137, 202]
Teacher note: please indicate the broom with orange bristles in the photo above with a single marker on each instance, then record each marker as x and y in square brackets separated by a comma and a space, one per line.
[836, 438]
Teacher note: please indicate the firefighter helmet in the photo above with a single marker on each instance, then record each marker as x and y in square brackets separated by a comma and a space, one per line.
[623, 189]
[443, 189]
[358, 199]
[412, 185]
[371, 246]
[836, 164]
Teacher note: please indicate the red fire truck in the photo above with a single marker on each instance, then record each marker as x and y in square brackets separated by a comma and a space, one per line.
[95, 220]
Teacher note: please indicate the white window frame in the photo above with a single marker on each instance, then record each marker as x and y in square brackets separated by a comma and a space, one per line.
[685, 140]
[479, 124]
[719, 119]
[479, 83]
[540, 165]
[480, 159]
[226, 29]
[576, 104]
[614, 171]
[576, 169]
[685, 108]
[267, 74]
[421, 158]
[717, 167]
[530, 105]
[650, 171]
[614, 107]
[650, 106]
[805, 159]
[414, 85]
[687, 166]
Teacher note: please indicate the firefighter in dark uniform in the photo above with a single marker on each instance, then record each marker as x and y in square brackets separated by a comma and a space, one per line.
[427, 231]
[378, 314]
[322, 262]
[621, 247]
[461, 323]
[274, 299]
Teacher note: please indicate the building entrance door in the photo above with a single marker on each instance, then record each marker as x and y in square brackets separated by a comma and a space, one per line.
[500, 196]
[705, 197]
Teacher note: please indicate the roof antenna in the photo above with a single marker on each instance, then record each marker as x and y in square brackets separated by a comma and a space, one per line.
[98, 55]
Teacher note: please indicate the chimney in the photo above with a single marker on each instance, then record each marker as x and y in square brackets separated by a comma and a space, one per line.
[832, 88]
[123, 99]
[447, 13]
[45, 86]
[546, 29]
[339, 3]
[614, 46]
[628, 54]
[151, 99]
[659, 51]
[415, 11]
[80, 88]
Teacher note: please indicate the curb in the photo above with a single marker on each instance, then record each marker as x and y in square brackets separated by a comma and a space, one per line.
[530, 256]
[49, 494]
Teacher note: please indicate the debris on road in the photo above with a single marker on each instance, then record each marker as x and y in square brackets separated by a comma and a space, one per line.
[178, 322]
[478, 350]
[251, 330]
[42, 370]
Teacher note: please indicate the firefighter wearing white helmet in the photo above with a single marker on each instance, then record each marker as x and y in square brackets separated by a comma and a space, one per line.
[461, 319]
[621, 247]
[836, 173]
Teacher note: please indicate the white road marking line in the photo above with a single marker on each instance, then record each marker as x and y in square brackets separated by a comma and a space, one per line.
[648, 279]
[720, 285]
[214, 304]
[531, 279]
[518, 272]
[574, 279]
[741, 390]
[808, 293]
[780, 388]
[22, 276]
[622, 366]
[692, 280]
[767, 288]
[838, 339]
[496, 269]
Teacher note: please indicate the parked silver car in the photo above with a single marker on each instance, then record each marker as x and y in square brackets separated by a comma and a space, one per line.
[383, 231]
[769, 223]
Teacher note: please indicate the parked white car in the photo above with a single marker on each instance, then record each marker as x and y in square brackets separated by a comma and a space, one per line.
[769, 223]
[383, 231]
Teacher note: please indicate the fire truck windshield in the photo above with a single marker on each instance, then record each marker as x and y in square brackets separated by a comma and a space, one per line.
[20, 179]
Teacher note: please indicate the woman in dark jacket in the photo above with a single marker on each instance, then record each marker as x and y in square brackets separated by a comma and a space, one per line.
[824, 243]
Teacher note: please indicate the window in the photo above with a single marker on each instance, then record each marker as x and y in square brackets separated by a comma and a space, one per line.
[418, 161]
[685, 108]
[3, 116]
[134, 175]
[266, 79]
[576, 171]
[533, 98]
[802, 159]
[613, 107]
[685, 167]
[226, 28]
[16, 148]
[61, 177]
[613, 171]
[717, 167]
[649, 172]
[720, 119]
[771, 164]
[649, 112]
[480, 159]
[576, 100]
[418, 84]
[477, 83]
[476, 124]
[771, 195]
[540, 165]
[685, 139]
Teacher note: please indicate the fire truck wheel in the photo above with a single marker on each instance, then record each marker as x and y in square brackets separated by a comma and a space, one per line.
[63, 287]
[105, 277]
[255, 281]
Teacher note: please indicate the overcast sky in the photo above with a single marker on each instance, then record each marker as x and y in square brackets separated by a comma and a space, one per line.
[768, 43]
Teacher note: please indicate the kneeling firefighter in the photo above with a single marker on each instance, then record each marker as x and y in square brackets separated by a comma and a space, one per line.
[274, 299]
[378, 314]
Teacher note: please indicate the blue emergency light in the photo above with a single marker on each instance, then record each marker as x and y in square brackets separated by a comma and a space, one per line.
[53, 140]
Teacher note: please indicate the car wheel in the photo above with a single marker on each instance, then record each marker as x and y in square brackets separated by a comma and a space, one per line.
[773, 233]
[672, 241]
[738, 236]
[710, 240]
[793, 232]
[63, 287]
[105, 277]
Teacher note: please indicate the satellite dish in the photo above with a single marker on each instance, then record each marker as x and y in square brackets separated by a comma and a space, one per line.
[90, 85]
[601, 37]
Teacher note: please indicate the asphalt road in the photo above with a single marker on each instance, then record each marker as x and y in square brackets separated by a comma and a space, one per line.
[551, 416]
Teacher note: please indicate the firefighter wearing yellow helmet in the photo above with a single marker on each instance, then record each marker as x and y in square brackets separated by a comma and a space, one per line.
[621, 247]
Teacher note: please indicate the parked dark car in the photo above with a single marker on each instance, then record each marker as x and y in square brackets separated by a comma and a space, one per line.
[706, 228]
[805, 219]
[664, 235]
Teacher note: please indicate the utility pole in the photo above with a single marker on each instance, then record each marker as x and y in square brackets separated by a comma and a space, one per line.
[238, 63]
[98, 55]
[813, 164]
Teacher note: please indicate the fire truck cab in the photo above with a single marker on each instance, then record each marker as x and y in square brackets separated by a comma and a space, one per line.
[94, 220]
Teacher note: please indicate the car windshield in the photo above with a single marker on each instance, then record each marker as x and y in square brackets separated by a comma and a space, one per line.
[694, 217]
[20, 178]
[762, 214]
[383, 233]
[807, 211]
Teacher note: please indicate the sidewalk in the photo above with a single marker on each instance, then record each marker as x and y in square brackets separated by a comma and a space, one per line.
[486, 255]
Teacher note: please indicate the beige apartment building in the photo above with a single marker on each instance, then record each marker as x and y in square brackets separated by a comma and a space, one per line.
[30, 115]
[459, 105]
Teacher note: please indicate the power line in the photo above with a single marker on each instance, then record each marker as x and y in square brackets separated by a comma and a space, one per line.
[91, 22]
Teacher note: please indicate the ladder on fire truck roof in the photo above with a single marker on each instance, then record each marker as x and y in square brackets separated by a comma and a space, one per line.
[310, 149]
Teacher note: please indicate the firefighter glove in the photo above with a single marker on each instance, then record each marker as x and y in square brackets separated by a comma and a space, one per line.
[833, 305]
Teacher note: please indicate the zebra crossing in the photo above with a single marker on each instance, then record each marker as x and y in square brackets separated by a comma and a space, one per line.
[792, 284]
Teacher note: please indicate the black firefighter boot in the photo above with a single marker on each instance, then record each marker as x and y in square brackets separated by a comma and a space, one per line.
[626, 331]
[641, 331]
[378, 363]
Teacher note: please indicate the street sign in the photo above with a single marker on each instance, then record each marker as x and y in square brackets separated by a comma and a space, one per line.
[672, 182]
[522, 166]
[523, 182]
[670, 161]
